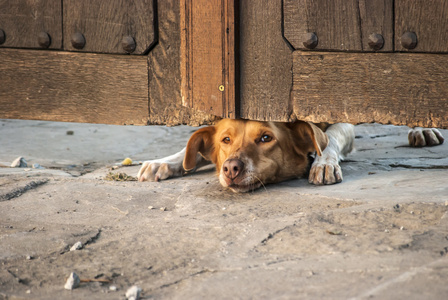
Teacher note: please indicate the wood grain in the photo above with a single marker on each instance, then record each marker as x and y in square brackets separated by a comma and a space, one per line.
[343, 25]
[104, 24]
[428, 19]
[377, 17]
[265, 62]
[164, 72]
[208, 56]
[73, 87]
[396, 88]
[23, 20]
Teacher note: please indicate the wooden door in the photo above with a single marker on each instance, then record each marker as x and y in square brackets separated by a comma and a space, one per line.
[194, 61]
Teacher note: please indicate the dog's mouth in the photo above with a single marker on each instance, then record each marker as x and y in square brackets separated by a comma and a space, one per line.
[243, 188]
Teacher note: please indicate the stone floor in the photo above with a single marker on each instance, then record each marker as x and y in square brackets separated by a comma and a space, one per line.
[382, 233]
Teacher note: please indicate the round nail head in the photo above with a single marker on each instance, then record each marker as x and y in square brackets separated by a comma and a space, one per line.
[128, 44]
[310, 40]
[44, 39]
[376, 41]
[409, 40]
[78, 40]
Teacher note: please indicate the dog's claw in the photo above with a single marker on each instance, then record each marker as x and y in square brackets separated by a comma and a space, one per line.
[420, 137]
[323, 174]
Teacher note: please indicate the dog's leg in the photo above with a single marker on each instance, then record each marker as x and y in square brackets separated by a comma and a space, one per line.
[171, 166]
[325, 169]
[421, 137]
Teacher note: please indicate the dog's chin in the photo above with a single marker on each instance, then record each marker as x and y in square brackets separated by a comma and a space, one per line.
[241, 188]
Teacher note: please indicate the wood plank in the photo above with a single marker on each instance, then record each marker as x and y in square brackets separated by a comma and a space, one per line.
[343, 25]
[164, 67]
[336, 23]
[208, 56]
[73, 87]
[23, 20]
[429, 21]
[104, 24]
[396, 88]
[265, 62]
[377, 18]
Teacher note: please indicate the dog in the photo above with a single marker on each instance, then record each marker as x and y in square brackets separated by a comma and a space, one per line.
[250, 154]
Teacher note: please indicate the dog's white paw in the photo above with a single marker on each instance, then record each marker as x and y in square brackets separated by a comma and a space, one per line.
[156, 171]
[321, 174]
[421, 137]
[325, 171]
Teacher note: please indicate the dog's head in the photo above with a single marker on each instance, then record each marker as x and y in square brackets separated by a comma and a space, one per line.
[248, 154]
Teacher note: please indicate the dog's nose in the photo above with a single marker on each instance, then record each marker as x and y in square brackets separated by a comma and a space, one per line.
[232, 168]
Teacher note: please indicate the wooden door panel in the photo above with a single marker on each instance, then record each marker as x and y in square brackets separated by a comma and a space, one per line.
[265, 62]
[427, 19]
[113, 26]
[208, 56]
[343, 25]
[164, 72]
[31, 24]
[73, 87]
[397, 88]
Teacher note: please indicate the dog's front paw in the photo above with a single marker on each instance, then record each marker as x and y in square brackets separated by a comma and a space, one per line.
[328, 172]
[156, 171]
[420, 137]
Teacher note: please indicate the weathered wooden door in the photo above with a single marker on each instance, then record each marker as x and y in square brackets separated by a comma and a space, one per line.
[176, 62]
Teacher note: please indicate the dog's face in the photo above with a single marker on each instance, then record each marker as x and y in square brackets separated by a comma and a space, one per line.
[249, 154]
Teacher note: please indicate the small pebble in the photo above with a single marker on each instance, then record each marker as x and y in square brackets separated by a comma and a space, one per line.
[72, 281]
[112, 288]
[70, 132]
[29, 257]
[76, 246]
[402, 228]
[37, 166]
[133, 293]
[163, 208]
[28, 291]
[150, 207]
[19, 162]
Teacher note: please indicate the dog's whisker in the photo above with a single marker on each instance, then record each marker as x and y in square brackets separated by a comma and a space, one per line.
[262, 184]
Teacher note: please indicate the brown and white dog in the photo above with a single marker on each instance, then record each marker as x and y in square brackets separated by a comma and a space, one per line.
[250, 154]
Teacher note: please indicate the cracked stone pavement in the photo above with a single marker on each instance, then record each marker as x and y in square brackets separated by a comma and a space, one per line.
[381, 233]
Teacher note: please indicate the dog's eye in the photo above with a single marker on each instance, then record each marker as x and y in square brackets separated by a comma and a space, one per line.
[265, 138]
[226, 140]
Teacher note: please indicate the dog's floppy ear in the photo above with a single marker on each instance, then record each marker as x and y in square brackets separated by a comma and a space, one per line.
[200, 142]
[309, 137]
